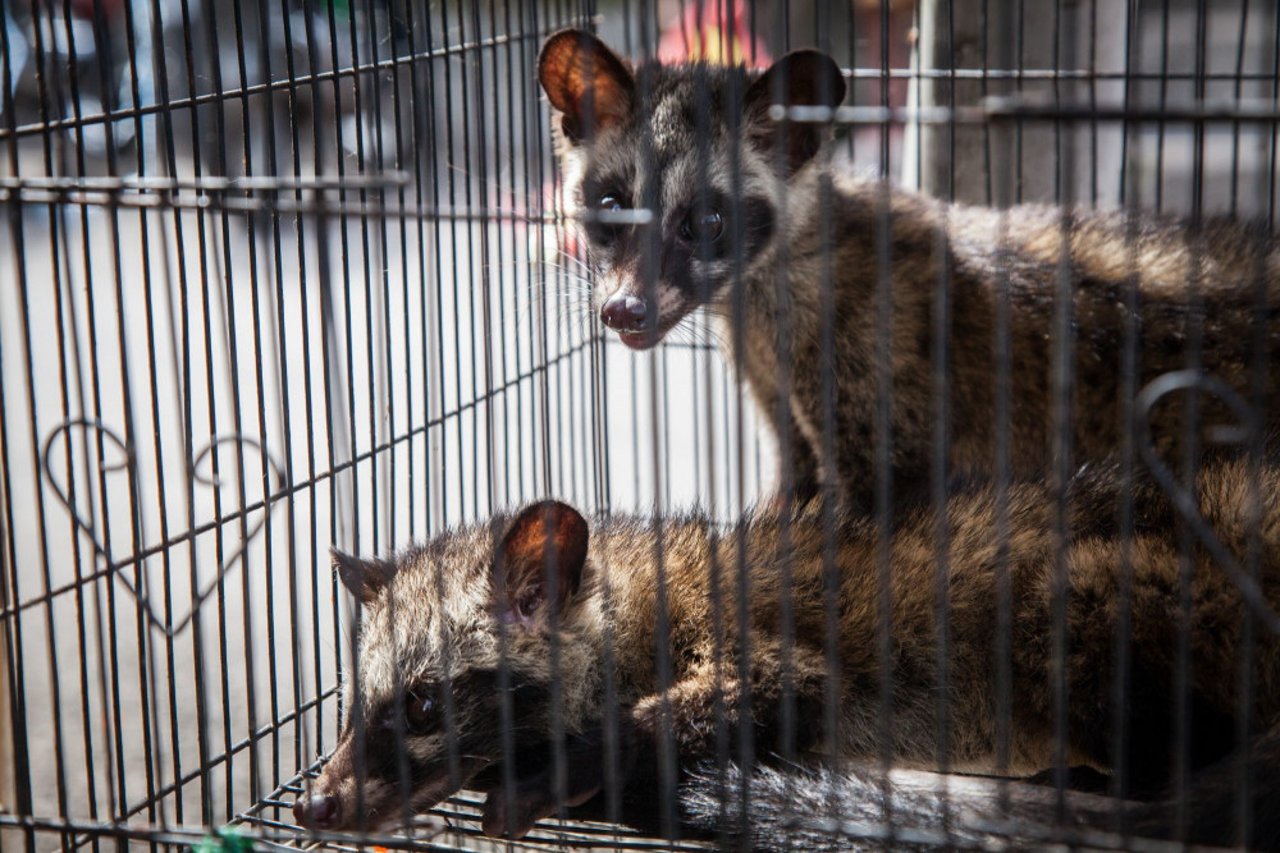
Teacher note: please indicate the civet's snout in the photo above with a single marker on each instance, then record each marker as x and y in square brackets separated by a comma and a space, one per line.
[318, 811]
[624, 313]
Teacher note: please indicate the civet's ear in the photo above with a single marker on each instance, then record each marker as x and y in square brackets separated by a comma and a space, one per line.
[806, 78]
[542, 553]
[586, 81]
[365, 578]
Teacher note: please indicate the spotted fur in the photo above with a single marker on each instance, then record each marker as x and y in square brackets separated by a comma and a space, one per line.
[794, 281]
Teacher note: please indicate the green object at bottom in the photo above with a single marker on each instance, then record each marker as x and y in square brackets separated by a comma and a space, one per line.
[228, 839]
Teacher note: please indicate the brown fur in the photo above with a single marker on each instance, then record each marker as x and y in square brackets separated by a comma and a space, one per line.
[670, 145]
[1021, 250]
[435, 625]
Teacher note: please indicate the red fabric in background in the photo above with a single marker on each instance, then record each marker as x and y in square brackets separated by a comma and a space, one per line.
[716, 31]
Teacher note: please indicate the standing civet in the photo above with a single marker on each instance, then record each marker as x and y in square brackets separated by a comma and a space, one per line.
[439, 618]
[738, 197]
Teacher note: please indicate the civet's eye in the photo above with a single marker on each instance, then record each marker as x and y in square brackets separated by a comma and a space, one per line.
[704, 226]
[420, 711]
[609, 202]
[529, 601]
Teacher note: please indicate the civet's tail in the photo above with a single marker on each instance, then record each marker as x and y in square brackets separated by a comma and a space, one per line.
[865, 809]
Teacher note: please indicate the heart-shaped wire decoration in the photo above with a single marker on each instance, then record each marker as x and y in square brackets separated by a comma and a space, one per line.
[1184, 500]
[105, 435]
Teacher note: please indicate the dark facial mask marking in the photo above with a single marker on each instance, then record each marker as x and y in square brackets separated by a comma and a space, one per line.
[477, 710]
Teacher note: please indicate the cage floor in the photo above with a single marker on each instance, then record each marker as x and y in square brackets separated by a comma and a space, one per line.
[453, 825]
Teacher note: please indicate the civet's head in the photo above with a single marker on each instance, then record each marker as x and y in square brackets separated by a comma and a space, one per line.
[426, 708]
[677, 172]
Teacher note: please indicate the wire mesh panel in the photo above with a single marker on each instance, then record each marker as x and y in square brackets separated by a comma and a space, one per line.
[272, 282]
[943, 515]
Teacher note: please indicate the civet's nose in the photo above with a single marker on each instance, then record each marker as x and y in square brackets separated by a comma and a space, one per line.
[624, 313]
[319, 811]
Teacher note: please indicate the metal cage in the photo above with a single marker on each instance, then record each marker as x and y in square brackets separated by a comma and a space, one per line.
[276, 276]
